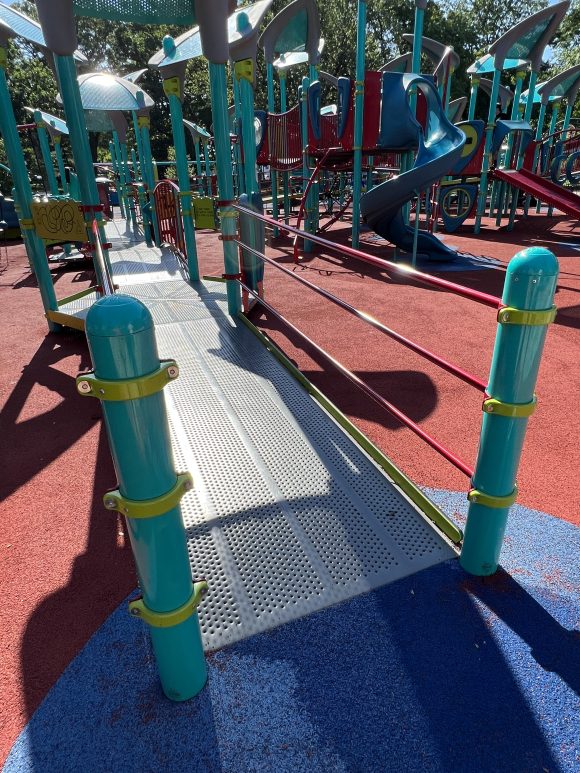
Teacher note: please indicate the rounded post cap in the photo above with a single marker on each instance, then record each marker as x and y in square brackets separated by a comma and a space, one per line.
[116, 316]
[168, 45]
[534, 261]
[242, 22]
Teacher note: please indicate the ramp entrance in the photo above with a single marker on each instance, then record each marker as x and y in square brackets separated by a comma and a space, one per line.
[288, 514]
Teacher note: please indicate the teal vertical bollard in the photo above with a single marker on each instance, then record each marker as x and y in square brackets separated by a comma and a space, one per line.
[34, 245]
[528, 297]
[60, 163]
[173, 91]
[359, 95]
[223, 157]
[128, 378]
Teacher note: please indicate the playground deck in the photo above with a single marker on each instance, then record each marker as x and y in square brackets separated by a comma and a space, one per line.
[434, 671]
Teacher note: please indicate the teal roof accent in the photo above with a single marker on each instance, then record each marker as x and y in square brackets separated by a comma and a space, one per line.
[103, 91]
[485, 65]
[53, 123]
[188, 45]
[292, 58]
[148, 12]
[522, 48]
[28, 29]
[538, 95]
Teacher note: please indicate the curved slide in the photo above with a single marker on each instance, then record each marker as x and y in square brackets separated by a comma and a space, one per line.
[440, 147]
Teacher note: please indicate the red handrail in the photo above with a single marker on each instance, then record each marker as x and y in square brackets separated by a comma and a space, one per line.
[417, 348]
[413, 273]
[388, 406]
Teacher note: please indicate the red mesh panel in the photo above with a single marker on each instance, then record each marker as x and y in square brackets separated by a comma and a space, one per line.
[284, 140]
[264, 154]
[168, 213]
[372, 109]
[347, 139]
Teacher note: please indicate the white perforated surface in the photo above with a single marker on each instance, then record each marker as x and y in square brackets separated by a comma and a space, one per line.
[288, 515]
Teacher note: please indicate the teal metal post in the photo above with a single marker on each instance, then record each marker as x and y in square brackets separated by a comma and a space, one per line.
[552, 129]
[285, 175]
[42, 135]
[117, 175]
[529, 107]
[505, 191]
[481, 203]
[138, 169]
[567, 119]
[122, 172]
[305, 165]
[122, 343]
[238, 146]
[207, 163]
[198, 172]
[182, 166]
[359, 93]
[60, 164]
[144, 123]
[273, 174]
[128, 197]
[473, 97]
[528, 297]
[219, 110]
[13, 149]
[79, 139]
[420, 6]
[315, 189]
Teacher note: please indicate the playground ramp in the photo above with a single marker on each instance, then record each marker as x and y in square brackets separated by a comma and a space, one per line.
[439, 151]
[545, 190]
[288, 514]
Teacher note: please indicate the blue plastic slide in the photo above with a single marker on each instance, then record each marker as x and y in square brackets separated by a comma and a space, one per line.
[440, 147]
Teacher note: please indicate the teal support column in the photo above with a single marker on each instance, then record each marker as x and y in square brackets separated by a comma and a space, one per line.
[13, 149]
[248, 132]
[147, 168]
[285, 175]
[221, 133]
[123, 349]
[122, 172]
[305, 164]
[207, 163]
[42, 135]
[473, 97]
[134, 165]
[237, 150]
[198, 172]
[176, 113]
[273, 174]
[528, 297]
[315, 189]
[358, 119]
[117, 176]
[128, 197]
[138, 169]
[482, 199]
[552, 129]
[60, 163]
[567, 119]
[79, 139]
[528, 110]
[418, 38]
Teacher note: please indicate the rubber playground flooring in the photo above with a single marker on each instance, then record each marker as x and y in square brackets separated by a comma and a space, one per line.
[435, 671]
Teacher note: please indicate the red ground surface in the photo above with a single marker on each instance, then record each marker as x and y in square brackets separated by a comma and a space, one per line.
[65, 560]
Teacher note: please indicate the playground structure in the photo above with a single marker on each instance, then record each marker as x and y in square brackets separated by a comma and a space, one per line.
[325, 145]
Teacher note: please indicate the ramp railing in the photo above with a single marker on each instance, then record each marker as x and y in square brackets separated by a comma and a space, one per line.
[523, 314]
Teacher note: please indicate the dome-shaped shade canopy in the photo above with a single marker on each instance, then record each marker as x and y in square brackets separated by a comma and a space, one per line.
[103, 91]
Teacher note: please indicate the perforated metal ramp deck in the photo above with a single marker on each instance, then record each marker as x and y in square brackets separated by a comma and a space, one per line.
[288, 514]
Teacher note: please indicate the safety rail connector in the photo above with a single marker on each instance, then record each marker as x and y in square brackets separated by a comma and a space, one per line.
[137, 608]
[512, 410]
[510, 316]
[88, 385]
[149, 508]
[480, 498]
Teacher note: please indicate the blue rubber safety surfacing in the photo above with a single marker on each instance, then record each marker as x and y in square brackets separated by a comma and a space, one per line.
[438, 671]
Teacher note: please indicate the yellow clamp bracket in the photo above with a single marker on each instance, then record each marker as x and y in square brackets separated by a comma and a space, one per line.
[3, 58]
[27, 223]
[89, 385]
[186, 193]
[172, 87]
[512, 410]
[149, 508]
[137, 608]
[56, 139]
[511, 316]
[244, 69]
[228, 212]
[488, 500]
[187, 212]
[143, 122]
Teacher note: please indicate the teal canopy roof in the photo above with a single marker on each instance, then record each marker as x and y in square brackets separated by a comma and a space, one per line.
[53, 123]
[525, 95]
[485, 65]
[188, 45]
[148, 12]
[28, 29]
[103, 91]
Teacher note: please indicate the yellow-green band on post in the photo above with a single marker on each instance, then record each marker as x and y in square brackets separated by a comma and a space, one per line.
[512, 410]
[138, 609]
[510, 316]
[479, 498]
[149, 508]
[89, 385]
